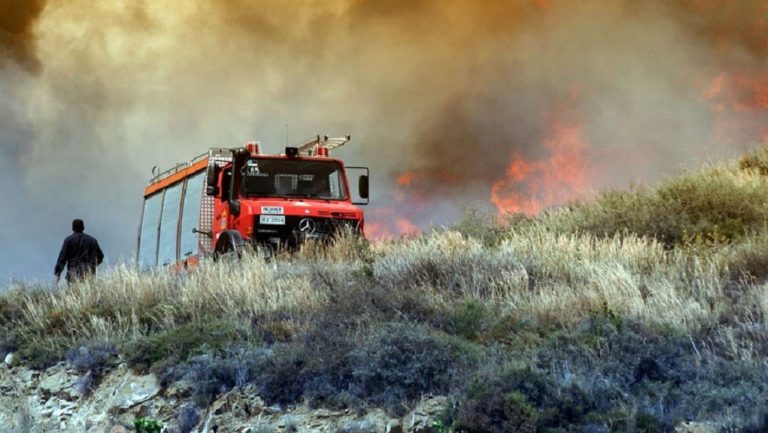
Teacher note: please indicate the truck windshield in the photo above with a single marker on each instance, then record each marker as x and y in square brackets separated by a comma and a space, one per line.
[293, 178]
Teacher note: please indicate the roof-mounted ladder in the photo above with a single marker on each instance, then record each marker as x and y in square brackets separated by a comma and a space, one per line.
[311, 146]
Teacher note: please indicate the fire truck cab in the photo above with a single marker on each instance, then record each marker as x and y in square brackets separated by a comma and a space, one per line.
[227, 199]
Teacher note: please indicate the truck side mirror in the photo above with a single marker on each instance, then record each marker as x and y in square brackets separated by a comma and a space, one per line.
[212, 179]
[362, 186]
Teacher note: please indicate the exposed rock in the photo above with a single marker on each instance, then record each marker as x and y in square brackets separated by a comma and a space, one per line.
[59, 384]
[25, 376]
[133, 390]
[696, 427]
[179, 389]
[40, 403]
[118, 429]
[394, 426]
[421, 418]
[11, 360]
[122, 395]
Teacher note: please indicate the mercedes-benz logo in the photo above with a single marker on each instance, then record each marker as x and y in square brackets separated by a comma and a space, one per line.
[307, 226]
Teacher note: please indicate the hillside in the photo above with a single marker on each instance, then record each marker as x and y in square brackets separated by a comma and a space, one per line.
[639, 311]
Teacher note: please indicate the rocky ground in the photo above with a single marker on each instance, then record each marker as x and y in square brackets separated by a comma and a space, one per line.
[50, 401]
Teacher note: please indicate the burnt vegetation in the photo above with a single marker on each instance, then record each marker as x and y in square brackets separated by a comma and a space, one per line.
[634, 312]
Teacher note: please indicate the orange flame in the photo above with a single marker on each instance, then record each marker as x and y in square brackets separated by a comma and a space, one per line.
[531, 186]
[406, 201]
[407, 227]
[405, 179]
[739, 106]
[389, 224]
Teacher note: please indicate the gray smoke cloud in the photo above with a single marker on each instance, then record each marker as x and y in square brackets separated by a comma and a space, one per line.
[17, 42]
[445, 93]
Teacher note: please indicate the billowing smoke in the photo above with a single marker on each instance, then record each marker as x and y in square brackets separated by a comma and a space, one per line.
[17, 40]
[448, 101]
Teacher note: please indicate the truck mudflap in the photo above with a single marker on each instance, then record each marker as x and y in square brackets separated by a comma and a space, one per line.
[229, 244]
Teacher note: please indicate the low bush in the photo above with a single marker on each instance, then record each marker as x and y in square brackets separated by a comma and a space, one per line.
[9, 342]
[399, 363]
[147, 425]
[284, 376]
[481, 226]
[747, 261]
[43, 352]
[391, 367]
[188, 418]
[91, 361]
[709, 206]
[757, 161]
[11, 310]
[510, 398]
[179, 343]
[94, 357]
[469, 319]
[210, 376]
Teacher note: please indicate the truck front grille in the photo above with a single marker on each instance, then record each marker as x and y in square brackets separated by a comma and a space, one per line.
[321, 228]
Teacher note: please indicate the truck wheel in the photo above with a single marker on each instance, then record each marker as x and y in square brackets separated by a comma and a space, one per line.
[229, 246]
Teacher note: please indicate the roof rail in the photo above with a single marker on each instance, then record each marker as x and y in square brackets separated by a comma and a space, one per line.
[175, 169]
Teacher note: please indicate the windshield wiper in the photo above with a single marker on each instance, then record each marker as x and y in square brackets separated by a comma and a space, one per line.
[258, 195]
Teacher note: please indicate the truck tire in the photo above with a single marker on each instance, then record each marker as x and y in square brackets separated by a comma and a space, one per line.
[229, 245]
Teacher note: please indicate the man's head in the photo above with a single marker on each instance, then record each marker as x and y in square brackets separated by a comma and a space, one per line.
[78, 225]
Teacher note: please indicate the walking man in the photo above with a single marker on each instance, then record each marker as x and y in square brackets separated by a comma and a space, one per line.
[80, 254]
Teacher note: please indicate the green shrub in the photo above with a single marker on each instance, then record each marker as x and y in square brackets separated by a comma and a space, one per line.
[178, 344]
[468, 319]
[400, 362]
[43, 352]
[747, 260]
[481, 226]
[10, 310]
[603, 322]
[647, 423]
[756, 161]
[510, 398]
[187, 418]
[209, 376]
[147, 425]
[91, 361]
[709, 206]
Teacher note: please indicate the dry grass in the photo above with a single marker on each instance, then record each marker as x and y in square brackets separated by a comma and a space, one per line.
[688, 258]
[131, 301]
[551, 278]
[559, 279]
[546, 278]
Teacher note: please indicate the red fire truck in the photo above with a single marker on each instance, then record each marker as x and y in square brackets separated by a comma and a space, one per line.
[227, 199]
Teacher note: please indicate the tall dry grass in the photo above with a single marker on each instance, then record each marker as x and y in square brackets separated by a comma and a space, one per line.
[125, 302]
[687, 255]
[557, 279]
[549, 278]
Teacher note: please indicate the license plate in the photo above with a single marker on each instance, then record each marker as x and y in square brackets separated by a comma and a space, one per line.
[272, 219]
[272, 210]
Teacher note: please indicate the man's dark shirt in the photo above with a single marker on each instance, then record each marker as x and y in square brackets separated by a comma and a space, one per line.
[80, 254]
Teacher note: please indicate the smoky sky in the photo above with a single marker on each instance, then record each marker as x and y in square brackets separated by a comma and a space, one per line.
[93, 94]
[17, 42]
